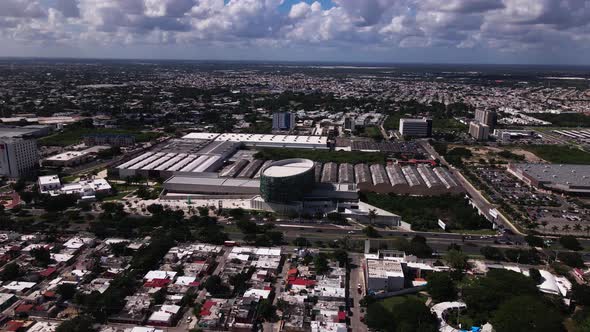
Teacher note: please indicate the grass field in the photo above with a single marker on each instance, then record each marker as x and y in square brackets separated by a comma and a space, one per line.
[373, 132]
[560, 154]
[390, 302]
[73, 136]
[565, 120]
[392, 122]
[321, 155]
[423, 213]
[448, 125]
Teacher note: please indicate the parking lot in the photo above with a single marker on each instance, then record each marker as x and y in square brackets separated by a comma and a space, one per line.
[547, 212]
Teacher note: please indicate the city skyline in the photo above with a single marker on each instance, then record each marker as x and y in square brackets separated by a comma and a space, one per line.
[375, 31]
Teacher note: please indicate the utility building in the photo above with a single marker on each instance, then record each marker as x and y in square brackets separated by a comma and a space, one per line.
[384, 275]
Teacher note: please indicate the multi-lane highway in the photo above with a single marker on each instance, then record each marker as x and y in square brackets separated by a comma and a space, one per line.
[478, 199]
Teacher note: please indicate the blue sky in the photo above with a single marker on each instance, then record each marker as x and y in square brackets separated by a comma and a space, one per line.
[435, 31]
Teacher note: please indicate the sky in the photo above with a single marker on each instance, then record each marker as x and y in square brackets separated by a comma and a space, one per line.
[385, 31]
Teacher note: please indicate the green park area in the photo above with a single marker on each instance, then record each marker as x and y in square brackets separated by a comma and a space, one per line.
[565, 119]
[400, 313]
[373, 132]
[71, 136]
[321, 155]
[423, 212]
[560, 154]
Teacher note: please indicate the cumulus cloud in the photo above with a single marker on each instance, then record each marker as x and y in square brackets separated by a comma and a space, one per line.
[498, 25]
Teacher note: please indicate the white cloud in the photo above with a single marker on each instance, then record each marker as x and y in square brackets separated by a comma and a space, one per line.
[498, 25]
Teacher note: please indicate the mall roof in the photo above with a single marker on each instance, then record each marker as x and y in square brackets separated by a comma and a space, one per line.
[261, 138]
[288, 167]
[576, 175]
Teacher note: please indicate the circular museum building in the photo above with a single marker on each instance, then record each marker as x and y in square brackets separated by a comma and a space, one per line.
[287, 180]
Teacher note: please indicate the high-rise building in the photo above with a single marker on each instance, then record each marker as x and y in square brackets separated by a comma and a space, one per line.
[349, 123]
[486, 117]
[283, 121]
[479, 131]
[18, 156]
[415, 127]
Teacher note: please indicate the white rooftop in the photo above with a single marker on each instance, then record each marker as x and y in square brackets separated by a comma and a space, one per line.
[49, 180]
[151, 275]
[381, 268]
[69, 155]
[262, 138]
[289, 168]
[19, 285]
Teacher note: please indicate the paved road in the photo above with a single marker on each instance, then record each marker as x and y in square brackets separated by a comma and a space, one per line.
[356, 277]
[478, 199]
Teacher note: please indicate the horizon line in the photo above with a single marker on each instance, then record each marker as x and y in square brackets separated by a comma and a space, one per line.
[277, 61]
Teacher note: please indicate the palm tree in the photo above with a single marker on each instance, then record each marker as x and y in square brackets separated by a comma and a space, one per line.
[372, 215]
[577, 227]
[554, 228]
[566, 228]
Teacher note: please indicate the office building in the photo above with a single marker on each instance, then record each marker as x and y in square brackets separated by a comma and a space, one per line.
[349, 124]
[18, 156]
[283, 121]
[479, 131]
[486, 117]
[415, 127]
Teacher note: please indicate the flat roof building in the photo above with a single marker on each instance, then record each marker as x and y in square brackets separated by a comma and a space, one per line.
[384, 275]
[267, 140]
[572, 179]
[68, 159]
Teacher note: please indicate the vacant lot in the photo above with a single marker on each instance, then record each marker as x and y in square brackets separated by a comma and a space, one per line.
[560, 154]
[73, 136]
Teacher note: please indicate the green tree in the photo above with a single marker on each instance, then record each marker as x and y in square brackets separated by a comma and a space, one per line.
[67, 291]
[247, 227]
[301, 242]
[370, 231]
[536, 276]
[492, 253]
[572, 259]
[41, 255]
[483, 295]
[527, 313]
[570, 242]
[82, 323]
[372, 216]
[203, 211]
[267, 311]
[320, 262]
[581, 294]
[456, 259]
[405, 316]
[441, 287]
[341, 256]
[10, 272]
[216, 287]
